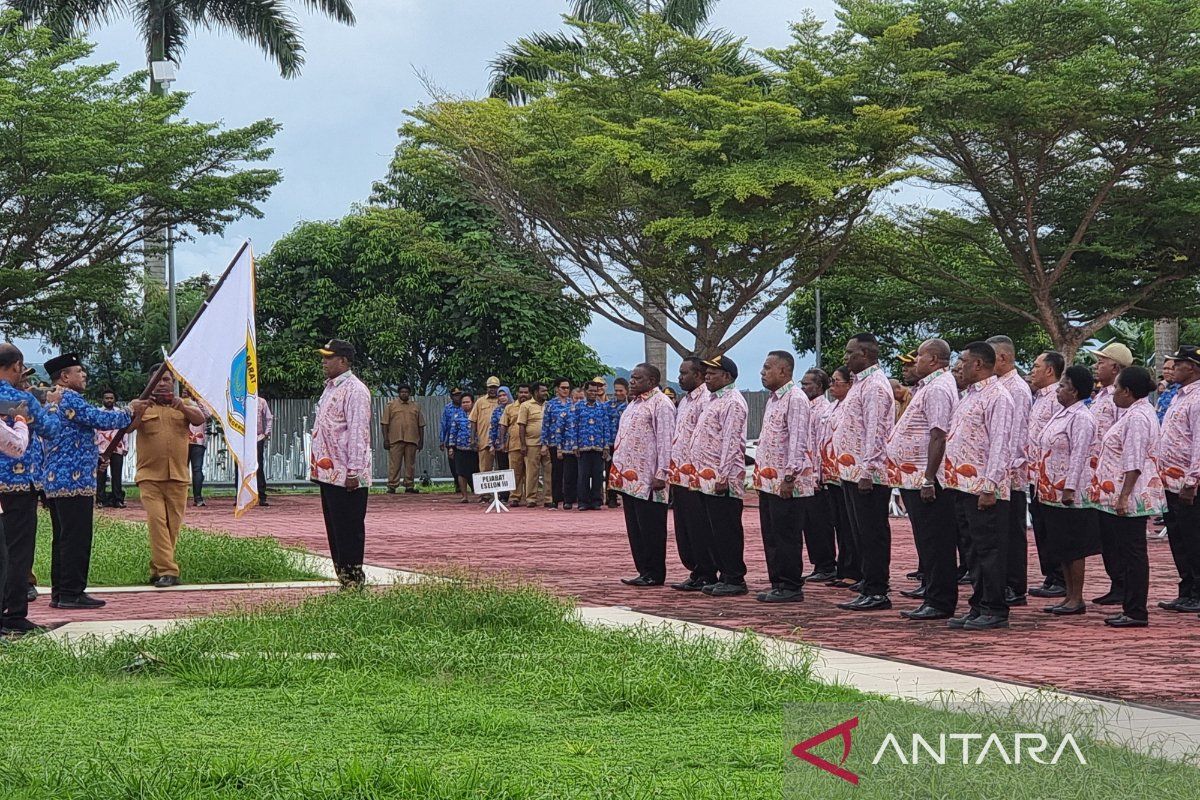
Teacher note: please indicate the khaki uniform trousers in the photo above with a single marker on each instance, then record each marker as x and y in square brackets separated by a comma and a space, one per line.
[537, 465]
[402, 462]
[487, 461]
[516, 462]
[164, 502]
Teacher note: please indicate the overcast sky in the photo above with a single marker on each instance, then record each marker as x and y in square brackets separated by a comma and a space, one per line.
[340, 116]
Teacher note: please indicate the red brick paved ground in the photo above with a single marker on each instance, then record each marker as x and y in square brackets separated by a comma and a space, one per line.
[583, 555]
[164, 605]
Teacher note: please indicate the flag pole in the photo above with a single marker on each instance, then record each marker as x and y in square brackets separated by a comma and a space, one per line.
[163, 369]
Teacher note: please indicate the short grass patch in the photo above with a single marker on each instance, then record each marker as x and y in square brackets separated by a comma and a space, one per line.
[121, 556]
[437, 690]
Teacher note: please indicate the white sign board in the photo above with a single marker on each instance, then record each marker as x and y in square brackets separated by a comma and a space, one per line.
[493, 483]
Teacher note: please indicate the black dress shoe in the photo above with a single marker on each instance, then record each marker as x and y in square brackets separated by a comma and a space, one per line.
[915, 575]
[985, 622]
[641, 581]
[724, 589]
[867, 602]
[856, 587]
[916, 594]
[925, 612]
[391, 490]
[567, 506]
[1122, 621]
[83, 601]
[1067, 611]
[1011, 598]
[691, 585]
[200, 503]
[265, 504]
[781, 596]
[1189, 606]
[21, 627]
[120, 504]
[960, 622]
[166, 581]
[1048, 590]
[31, 594]
[820, 577]
[964, 579]
[840, 583]
[412, 490]
[1171, 605]
[1110, 598]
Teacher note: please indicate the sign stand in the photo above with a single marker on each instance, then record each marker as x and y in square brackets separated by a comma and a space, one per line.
[493, 483]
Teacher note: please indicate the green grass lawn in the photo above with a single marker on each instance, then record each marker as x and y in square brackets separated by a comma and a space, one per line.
[433, 691]
[121, 556]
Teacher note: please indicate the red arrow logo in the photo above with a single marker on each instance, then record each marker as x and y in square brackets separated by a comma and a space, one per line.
[802, 750]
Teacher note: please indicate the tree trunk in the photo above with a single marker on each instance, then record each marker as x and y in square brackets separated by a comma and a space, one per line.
[1166, 341]
[656, 351]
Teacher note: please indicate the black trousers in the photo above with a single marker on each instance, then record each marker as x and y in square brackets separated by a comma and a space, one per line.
[564, 477]
[819, 534]
[453, 469]
[116, 462]
[262, 470]
[1110, 556]
[935, 531]
[20, 533]
[1128, 534]
[849, 564]
[868, 513]
[987, 551]
[196, 459]
[71, 548]
[1183, 534]
[589, 484]
[345, 527]
[646, 526]
[728, 543]
[782, 521]
[1051, 570]
[1018, 545]
[693, 534]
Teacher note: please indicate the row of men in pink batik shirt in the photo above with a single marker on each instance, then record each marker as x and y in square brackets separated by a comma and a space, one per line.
[964, 454]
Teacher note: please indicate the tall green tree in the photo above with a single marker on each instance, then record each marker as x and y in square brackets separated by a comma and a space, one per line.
[83, 154]
[418, 305]
[1070, 131]
[165, 25]
[650, 181]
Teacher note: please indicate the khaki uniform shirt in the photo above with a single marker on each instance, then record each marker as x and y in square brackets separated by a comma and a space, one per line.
[481, 418]
[162, 445]
[530, 416]
[403, 421]
[509, 420]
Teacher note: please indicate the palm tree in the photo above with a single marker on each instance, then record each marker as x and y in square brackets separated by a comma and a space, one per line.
[522, 60]
[166, 24]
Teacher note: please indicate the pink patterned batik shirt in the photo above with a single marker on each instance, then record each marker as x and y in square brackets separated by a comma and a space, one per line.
[687, 413]
[642, 453]
[341, 437]
[784, 445]
[907, 448]
[864, 427]
[1105, 411]
[1065, 455]
[827, 423]
[1179, 444]
[1129, 445]
[719, 443]
[1045, 406]
[977, 446]
[1022, 397]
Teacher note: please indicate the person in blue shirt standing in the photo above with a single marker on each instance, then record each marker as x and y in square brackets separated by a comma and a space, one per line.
[564, 476]
[69, 482]
[20, 483]
[589, 437]
[1167, 394]
[448, 412]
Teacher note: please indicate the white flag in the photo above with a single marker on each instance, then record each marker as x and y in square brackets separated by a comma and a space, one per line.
[217, 361]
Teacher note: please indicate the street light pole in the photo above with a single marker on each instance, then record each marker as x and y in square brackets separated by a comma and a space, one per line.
[818, 324]
[162, 75]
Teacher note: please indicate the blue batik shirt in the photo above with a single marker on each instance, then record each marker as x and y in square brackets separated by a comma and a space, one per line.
[494, 429]
[444, 429]
[25, 473]
[618, 408]
[589, 427]
[460, 431]
[72, 456]
[554, 421]
[1164, 401]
